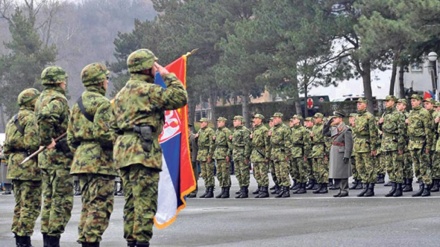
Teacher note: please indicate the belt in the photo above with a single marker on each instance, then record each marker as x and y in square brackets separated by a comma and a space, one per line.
[339, 144]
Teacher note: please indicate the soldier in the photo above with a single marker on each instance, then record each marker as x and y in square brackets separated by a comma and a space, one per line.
[276, 187]
[89, 134]
[436, 156]
[420, 141]
[379, 165]
[293, 167]
[204, 156]
[365, 146]
[392, 125]
[52, 113]
[311, 173]
[318, 154]
[138, 113]
[21, 140]
[241, 153]
[406, 158]
[260, 156]
[222, 155]
[300, 150]
[357, 180]
[280, 153]
[193, 149]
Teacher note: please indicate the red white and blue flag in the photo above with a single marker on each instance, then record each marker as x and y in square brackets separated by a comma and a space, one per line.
[177, 177]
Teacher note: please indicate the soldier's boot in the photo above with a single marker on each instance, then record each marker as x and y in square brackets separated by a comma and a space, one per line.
[26, 241]
[319, 188]
[421, 189]
[389, 183]
[286, 192]
[90, 244]
[273, 187]
[364, 190]
[408, 187]
[392, 191]
[370, 191]
[226, 193]
[8, 189]
[45, 240]
[192, 194]
[359, 186]
[143, 244]
[54, 241]
[282, 188]
[18, 240]
[301, 190]
[311, 184]
[210, 192]
[245, 193]
[277, 190]
[398, 190]
[355, 183]
[435, 187]
[204, 194]
[323, 189]
[263, 193]
[316, 186]
[380, 178]
[427, 190]
[221, 193]
[257, 191]
[131, 244]
[295, 186]
[330, 182]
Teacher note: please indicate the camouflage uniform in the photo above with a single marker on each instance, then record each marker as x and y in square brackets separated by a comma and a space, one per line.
[92, 140]
[222, 145]
[357, 183]
[436, 154]
[204, 155]
[21, 140]
[52, 113]
[318, 153]
[259, 157]
[240, 154]
[140, 106]
[311, 173]
[300, 149]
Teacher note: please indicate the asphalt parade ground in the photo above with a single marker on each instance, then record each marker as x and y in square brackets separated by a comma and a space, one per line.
[301, 220]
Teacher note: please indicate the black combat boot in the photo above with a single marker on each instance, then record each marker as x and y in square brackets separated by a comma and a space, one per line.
[301, 190]
[435, 187]
[94, 244]
[286, 192]
[45, 240]
[257, 191]
[54, 241]
[8, 189]
[322, 190]
[319, 188]
[296, 186]
[210, 192]
[204, 194]
[280, 194]
[221, 194]
[311, 184]
[427, 190]
[264, 193]
[370, 191]
[398, 190]
[243, 192]
[408, 187]
[389, 183]
[421, 189]
[226, 193]
[363, 191]
[277, 190]
[18, 240]
[355, 183]
[143, 244]
[392, 191]
[131, 244]
[380, 178]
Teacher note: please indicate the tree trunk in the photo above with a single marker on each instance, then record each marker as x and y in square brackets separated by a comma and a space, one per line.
[306, 112]
[295, 83]
[401, 84]
[212, 103]
[2, 120]
[191, 110]
[245, 107]
[393, 77]
[366, 80]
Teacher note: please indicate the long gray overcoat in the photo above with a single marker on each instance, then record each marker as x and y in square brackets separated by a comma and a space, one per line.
[342, 146]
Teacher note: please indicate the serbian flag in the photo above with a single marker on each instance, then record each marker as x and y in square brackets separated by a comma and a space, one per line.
[428, 94]
[177, 178]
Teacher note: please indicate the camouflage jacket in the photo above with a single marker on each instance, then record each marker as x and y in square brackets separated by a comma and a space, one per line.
[393, 130]
[241, 143]
[319, 142]
[280, 143]
[141, 102]
[18, 146]
[300, 141]
[205, 143]
[92, 141]
[419, 128]
[222, 143]
[260, 144]
[366, 133]
[52, 113]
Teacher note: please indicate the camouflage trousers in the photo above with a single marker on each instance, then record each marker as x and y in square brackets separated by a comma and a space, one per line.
[311, 172]
[408, 172]
[380, 166]
[272, 172]
[354, 171]
[294, 170]
[436, 165]
[301, 166]
[242, 173]
[27, 206]
[365, 167]
[57, 201]
[224, 173]
[421, 163]
[282, 172]
[261, 170]
[207, 173]
[394, 165]
[97, 206]
[140, 192]
[321, 167]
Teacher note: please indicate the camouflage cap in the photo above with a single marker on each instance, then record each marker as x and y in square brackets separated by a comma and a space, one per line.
[362, 100]
[338, 114]
[53, 75]
[140, 60]
[93, 74]
[27, 95]
[297, 117]
[222, 119]
[391, 97]
[278, 114]
[353, 115]
[318, 115]
[258, 115]
[437, 104]
[203, 119]
[271, 119]
[416, 96]
[430, 100]
[238, 117]
[403, 101]
[308, 119]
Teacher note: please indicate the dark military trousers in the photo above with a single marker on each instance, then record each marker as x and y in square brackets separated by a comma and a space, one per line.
[272, 172]
[27, 206]
[321, 167]
[140, 191]
[207, 173]
[354, 171]
[97, 206]
[365, 167]
[421, 163]
[408, 172]
[223, 173]
[57, 188]
[242, 173]
[394, 166]
[436, 165]
[282, 173]
[302, 169]
[261, 170]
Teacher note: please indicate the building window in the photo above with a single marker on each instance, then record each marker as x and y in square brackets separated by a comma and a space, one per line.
[416, 67]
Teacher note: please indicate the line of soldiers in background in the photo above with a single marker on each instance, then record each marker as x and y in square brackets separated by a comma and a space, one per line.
[403, 144]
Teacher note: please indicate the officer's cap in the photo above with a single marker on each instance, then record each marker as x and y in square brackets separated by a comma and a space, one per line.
[391, 97]
[222, 119]
[362, 100]
[318, 115]
[203, 119]
[277, 114]
[403, 101]
[258, 115]
[339, 114]
[416, 96]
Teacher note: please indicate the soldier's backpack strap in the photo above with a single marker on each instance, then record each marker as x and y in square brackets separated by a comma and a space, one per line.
[17, 125]
[83, 110]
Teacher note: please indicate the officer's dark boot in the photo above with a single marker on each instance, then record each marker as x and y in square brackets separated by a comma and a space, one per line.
[143, 244]
[18, 240]
[45, 240]
[370, 191]
[392, 191]
[210, 193]
[281, 192]
[421, 189]
[311, 184]
[408, 186]
[318, 189]
[364, 190]
[355, 183]
[263, 193]
[427, 190]
[398, 190]
[226, 193]
[380, 178]
[435, 187]
[204, 194]
[286, 192]
[277, 190]
[131, 244]
[221, 194]
[257, 191]
[322, 190]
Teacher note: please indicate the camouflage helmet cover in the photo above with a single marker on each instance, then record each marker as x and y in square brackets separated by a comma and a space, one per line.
[27, 95]
[140, 60]
[93, 74]
[53, 75]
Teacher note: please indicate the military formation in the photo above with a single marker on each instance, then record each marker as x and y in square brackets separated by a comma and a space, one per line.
[321, 153]
[47, 144]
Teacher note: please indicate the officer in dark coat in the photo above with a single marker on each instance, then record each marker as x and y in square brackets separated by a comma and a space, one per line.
[340, 151]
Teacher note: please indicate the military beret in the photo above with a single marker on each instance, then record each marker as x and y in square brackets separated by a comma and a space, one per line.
[362, 100]
[339, 114]
[391, 97]
[416, 96]
[277, 114]
[222, 119]
[318, 115]
[353, 115]
[297, 117]
[403, 101]
[308, 119]
[238, 118]
[203, 119]
[258, 115]
[430, 100]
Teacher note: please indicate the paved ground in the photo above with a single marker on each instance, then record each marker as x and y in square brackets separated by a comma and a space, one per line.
[304, 220]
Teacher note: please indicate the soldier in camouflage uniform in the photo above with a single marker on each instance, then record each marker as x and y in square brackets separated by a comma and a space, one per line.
[89, 135]
[436, 156]
[419, 124]
[280, 153]
[138, 112]
[311, 173]
[300, 150]
[22, 139]
[406, 161]
[222, 155]
[365, 146]
[193, 150]
[276, 188]
[293, 167]
[260, 155]
[52, 113]
[241, 151]
[429, 104]
[357, 180]
[392, 125]
[205, 143]
[318, 154]
[379, 165]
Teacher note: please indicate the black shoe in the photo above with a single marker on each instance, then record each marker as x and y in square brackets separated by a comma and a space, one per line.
[54, 241]
[421, 189]
[45, 240]
[296, 186]
[301, 190]
[337, 195]
[392, 191]
[192, 194]
[131, 244]
[355, 184]
[311, 184]
[244, 192]
[142, 244]
[280, 194]
[94, 244]
[286, 192]
[364, 191]
[343, 194]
